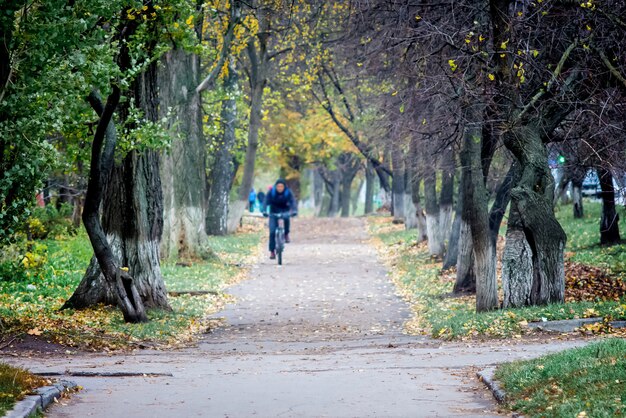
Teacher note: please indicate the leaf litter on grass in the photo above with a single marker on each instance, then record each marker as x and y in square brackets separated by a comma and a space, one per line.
[34, 311]
[591, 291]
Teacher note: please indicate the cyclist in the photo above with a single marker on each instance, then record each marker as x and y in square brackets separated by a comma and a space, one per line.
[279, 200]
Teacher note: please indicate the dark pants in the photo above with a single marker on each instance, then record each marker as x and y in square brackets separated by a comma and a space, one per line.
[251, 205]
[273, 227]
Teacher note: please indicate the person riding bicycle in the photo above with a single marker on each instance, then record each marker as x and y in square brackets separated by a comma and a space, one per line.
[279, 200]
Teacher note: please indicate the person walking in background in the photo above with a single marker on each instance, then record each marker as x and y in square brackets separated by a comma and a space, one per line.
[252, 200]
[260, 196]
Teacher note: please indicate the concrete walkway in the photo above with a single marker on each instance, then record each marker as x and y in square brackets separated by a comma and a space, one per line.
[320, 336]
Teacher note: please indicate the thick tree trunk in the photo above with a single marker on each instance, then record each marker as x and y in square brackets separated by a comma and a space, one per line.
[433, 224]
[609, 222]
[370, 178]
[517, 261]
[465, 276]
[446, 199]
[318, 191]
[452, 252]
[222, 171]
[346, 193]
[356, 196]
[415, 175]
[258, 73]
[132, 222]
[531, 201]
[183, 167]
[577, 199]
[503, 197]
[475, 212]
[397, 185]
[334, 190]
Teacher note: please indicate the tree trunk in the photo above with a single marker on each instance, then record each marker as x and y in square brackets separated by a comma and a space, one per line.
[446, 200]
[532, 200]
[334, 190]
[222, 171]
[414, 162]
[183, 167]
[397, 185]
[577, 196]
[503, 197]
[370, 178]
[356, 196]
[318, 191]
[465, 276]
[452, 252]
[346, 193]
[259, 60]
[132, 223]
[517, 261]
[433, 225]
[411, 220]
[475, 211]
[609, 222]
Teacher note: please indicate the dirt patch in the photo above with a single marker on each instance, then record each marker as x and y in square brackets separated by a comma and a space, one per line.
[24, 345]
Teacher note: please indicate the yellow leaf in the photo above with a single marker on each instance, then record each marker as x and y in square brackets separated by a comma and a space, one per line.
[452, 65]
[491, 77]
[124, 269]
[34, 331]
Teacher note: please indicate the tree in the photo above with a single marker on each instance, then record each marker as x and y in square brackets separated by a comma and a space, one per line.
[126, 269]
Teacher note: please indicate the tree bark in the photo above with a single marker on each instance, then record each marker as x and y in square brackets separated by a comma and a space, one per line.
[475, 210]
[577, 196]
[446, 199]
[318, 191]
[183, 166]
[609, 221]
[222, 171]
[132, 219]
[465, 276]
[532, 200]
[452, 252]
[259, 61]
[333, 186]
[433, 224]
[397, 185]
[415, 165]
[370, 178]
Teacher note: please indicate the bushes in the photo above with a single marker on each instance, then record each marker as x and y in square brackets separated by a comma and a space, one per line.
[25, 256]
[50, 222]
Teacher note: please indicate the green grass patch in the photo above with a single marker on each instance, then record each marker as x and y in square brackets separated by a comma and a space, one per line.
[583, 237]
[588, 381]
[32, 305]
[15, 383]
[420, 281]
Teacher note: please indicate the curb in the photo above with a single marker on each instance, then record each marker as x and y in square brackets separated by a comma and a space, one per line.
[571, 325]
[487, 377]
[41, 400]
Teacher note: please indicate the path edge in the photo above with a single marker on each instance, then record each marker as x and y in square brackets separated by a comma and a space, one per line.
[42, 398]
[487, 376]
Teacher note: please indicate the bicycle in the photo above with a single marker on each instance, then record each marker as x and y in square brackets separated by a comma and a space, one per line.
[280, 234]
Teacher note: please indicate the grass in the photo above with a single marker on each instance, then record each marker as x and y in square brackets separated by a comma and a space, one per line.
[588, 381]
[420, 281]
[583, 237]
[31, 306]
[15, 383]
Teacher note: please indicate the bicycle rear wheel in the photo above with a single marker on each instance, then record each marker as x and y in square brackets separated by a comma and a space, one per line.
[280, 244]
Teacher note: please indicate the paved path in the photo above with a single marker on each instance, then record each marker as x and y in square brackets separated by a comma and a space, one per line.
[320, 336]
